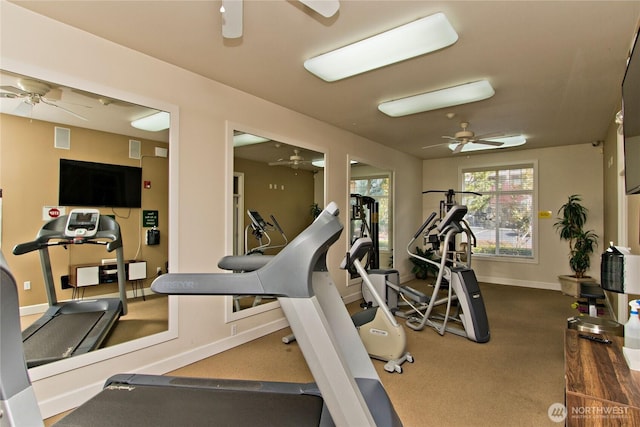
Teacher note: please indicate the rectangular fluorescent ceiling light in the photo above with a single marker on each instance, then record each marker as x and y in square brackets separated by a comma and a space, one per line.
[153, 123]
[416, 38]
[456, 95]
[241, 139]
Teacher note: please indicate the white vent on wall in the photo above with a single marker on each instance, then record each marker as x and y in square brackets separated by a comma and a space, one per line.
[62, 138]
[134, 149]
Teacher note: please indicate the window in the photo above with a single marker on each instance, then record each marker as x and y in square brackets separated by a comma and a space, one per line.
[378, 189]
[502, 218]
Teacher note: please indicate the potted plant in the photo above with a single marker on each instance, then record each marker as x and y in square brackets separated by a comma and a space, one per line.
[570, 225]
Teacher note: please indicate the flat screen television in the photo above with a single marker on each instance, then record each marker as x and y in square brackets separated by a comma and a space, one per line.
[99, 185]
[631, 120]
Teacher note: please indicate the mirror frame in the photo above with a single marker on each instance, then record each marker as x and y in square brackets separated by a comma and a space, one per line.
[229, 314]
[58, 367]
[392, 173]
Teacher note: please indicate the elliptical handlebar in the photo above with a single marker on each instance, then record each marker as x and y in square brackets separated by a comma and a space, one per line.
[424, 225]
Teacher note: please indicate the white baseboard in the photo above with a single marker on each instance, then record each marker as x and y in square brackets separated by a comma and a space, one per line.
[520, 283]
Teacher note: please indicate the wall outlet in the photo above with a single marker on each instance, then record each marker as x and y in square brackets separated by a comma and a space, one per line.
[234, 330]
[27, 285]
[158, 270]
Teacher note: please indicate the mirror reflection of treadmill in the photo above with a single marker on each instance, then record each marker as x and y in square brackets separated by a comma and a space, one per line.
[78, 326]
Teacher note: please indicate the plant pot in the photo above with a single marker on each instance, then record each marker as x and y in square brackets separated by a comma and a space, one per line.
[570, 285]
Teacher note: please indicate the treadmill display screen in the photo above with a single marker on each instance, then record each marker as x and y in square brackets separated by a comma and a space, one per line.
[82, 223]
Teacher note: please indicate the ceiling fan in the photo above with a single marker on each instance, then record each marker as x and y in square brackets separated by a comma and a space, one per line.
[34, 92]
[295, 160]
[231, 11]
[466, 136]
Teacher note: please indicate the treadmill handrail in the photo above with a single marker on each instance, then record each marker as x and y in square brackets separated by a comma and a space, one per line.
[16, 391]
[288, 273]
[108, 229]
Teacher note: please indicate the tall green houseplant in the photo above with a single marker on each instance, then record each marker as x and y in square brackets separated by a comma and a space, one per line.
[570, 225]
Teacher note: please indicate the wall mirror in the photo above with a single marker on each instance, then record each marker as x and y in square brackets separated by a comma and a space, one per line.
[279, 181]
[47, 118]
[371, 201]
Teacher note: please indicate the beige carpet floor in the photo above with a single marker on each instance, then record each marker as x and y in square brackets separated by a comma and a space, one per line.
[509, 381]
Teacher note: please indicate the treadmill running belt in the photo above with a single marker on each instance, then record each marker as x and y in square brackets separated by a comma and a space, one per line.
[131, 405]
[59, 337]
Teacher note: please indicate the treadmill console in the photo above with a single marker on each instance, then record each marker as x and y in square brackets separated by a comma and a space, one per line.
[257, 220]
[82, 223]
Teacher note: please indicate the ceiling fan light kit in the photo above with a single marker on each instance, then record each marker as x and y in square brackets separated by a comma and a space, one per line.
[416, 38]
[442, 98]
[294, 161]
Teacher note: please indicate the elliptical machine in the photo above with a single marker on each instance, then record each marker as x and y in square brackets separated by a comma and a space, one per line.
[260, 230]
[455, 276]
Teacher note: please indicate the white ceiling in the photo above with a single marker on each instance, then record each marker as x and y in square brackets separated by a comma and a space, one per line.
[556, 66]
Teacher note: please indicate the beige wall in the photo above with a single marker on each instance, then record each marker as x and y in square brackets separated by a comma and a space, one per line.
[562, 171]
[29, 165]
[290, 202]
[201, 167]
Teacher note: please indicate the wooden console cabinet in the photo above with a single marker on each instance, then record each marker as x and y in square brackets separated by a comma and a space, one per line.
[601, 390]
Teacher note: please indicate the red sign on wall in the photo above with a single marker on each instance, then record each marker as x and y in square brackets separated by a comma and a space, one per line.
[52, 212]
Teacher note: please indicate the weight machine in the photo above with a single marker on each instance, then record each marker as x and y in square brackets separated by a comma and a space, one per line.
[360, 205]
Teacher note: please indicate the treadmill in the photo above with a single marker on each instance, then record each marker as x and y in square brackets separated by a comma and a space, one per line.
[73, 327]
[347, 391]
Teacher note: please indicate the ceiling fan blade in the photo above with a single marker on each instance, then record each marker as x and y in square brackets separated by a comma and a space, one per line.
[281, 163]
[449, 137]
[326, 8]
[494, 143]
[44, 101]
[9, 95]
[231, 19]
[458, 148]
[489, 135]
[14, 90]
[23, 109]
[437, 145]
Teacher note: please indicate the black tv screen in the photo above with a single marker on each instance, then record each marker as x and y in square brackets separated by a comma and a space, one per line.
[631, 121]
[99, 185]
